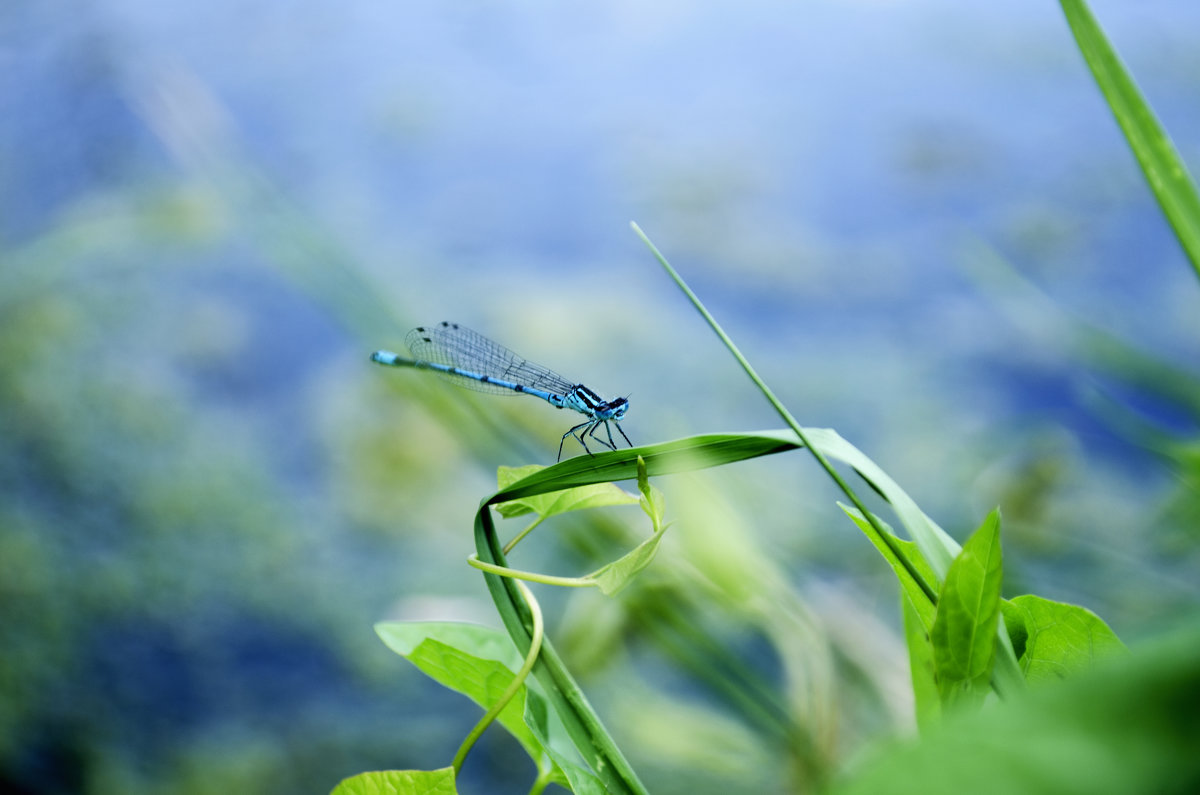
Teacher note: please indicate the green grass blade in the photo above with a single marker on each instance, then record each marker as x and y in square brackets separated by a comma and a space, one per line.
[768, 393]
[1160, 161]
[666, 458]
[937, 547]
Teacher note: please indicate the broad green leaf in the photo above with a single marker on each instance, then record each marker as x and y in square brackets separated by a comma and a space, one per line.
[1056, 640]
[399, 782]
[1128, 725]
[1160, 161]
[920, 660]
[597, 495]
[483, 679]
[964, 631]
[479, 641]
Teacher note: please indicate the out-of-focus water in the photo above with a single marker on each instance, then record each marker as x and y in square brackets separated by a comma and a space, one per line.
[212, 212]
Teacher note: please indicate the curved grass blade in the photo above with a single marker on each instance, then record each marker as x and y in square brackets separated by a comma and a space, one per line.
[586, 730]
[934, 548]
[583, 725]
[666, 458]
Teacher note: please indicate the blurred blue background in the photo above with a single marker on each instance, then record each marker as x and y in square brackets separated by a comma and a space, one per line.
[918, 219]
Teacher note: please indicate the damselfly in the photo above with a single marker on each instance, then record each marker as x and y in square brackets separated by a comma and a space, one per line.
[473, 361]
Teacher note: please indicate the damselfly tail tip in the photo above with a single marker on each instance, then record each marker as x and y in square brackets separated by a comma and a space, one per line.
[384, 357]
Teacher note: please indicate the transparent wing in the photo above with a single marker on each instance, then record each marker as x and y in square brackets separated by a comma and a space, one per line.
[457, 346]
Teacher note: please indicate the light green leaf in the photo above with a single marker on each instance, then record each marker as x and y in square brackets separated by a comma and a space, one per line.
[653, 502]
[554, 738]
[1055, 640]
[473, 671]
[612, 577]
[915, 594]
[1160, 161]
[506, 476]
[598, 495]
[920, 660]
[937, 547]
[399, 782]
[479, 641]
[964, 630]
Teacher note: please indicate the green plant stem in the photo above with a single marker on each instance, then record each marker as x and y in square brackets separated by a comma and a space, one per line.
[1007, 677]
[785, 414]
[529, 576]
[540, 783]
[518, 681]
[517, 539]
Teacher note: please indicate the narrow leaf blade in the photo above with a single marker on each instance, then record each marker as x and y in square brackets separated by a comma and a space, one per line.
[1160, 161]
[913, 592]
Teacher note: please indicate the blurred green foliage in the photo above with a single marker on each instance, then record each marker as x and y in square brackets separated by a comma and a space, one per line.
[1129, 726]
